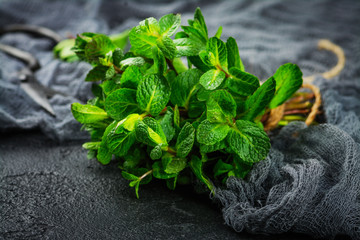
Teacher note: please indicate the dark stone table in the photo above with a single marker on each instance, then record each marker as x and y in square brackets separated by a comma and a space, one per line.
[50, 190]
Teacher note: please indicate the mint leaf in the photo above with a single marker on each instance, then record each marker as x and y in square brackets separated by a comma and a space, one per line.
[221, 168]
[185, 140]
[120, 40]
[220, 107]
[257, 102]
[242, 168]
[210, 133]
[129, 176]
[233, 56]
[218, 32]
[159, 61]
[119, 140]
[98, 47]
[242, 83]
[196, 166]
[117, 55]
[212, 148]
[188, 47]
[150, 132]
[131, 77]
[86, 114]
[133, 61]
[144, 36]
[91, 145]
[158, 171]
[171, 183]
[212, 79]
[288, 80]
[195, 108]
[167, 46]
[110, 72]
[110, 85]
[121, 103]
[196, 60]
[167, 124]
[186, 84]
[197, 28]
[218, 49]
[175, 166]
[156, 152]
[169, 24]
[153, 94]
[104, 155]
[248, 141]
[96, 74]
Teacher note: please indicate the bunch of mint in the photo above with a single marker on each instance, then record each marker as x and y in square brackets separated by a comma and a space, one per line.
[160, 118]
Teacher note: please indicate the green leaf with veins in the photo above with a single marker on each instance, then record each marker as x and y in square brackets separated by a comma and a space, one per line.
[185, 140]
[86, 114]
[104, 155]
[121, 103]
[233, 55]
[91, 145]
[210, 133]
[196, 60]
[119, 140]
[188, 47]
[257, 102]
[96, 74]
[288, 80]
[248, 141]
[159, 61]
[169, 24]
[110, 85]
[156, 152]
[242, 83]
[175, 165]
[186, 85]
[196, 108]
[153, 94]
[212, 148]
[212, 79]
[167, 46]
[143, 37]
[196, 166]
[98, 47]
[133, 61]
[220, 107]
[110, 72]
[149, 131]
[219, 52]
[117, 55]
[159, 171]
[131, 77]
[167, 124]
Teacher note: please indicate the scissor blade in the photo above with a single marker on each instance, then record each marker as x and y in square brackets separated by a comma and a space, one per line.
[38, 96]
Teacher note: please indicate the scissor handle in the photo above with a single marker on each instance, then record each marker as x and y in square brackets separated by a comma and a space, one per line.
[37, 30]
[32, 63]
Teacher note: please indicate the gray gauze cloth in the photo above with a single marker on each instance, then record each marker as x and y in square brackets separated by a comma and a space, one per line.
[309, 183]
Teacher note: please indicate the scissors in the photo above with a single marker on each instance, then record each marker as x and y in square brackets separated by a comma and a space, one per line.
[37, 92]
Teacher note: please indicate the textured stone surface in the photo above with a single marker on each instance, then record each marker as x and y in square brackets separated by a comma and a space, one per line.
[51, 191]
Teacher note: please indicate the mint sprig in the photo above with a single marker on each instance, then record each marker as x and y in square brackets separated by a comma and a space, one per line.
[162, 119]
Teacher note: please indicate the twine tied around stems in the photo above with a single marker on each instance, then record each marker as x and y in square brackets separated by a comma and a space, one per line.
[277, 114]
